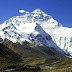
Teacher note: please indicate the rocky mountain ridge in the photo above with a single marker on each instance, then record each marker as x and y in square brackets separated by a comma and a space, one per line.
[39, 28]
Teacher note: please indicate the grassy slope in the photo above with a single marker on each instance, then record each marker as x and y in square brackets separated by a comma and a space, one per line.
[59, 66]
[8, 57]
[41, 56]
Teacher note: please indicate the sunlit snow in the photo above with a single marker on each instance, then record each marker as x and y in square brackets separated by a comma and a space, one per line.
[27, 28]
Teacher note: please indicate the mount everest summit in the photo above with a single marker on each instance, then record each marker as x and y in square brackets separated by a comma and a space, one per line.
[38, 28]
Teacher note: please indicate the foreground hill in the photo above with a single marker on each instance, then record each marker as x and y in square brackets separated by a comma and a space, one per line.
[34, 59]
[15, 57]
[15, 54]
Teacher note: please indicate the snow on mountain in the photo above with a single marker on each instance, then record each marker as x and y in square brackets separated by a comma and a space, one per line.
[38, 28]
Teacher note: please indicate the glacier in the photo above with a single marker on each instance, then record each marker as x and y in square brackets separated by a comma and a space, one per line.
[38, 28]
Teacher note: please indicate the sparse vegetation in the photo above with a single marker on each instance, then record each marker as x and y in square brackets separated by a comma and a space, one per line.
[37, 59]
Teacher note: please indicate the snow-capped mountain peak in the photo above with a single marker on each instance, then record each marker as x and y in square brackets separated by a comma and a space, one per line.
[37, 11]
[38, 28]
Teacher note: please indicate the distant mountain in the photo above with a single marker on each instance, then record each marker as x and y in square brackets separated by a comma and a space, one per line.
[38, 28]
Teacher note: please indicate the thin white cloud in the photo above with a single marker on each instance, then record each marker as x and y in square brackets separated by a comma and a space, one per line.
[23, 11]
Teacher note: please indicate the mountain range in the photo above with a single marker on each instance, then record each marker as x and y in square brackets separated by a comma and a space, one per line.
[39, 28]
[35, 38]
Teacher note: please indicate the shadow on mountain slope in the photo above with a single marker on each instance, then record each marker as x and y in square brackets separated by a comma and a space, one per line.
[7, 53]
[47, 40]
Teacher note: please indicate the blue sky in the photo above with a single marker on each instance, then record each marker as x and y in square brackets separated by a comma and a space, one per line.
[61, 10]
